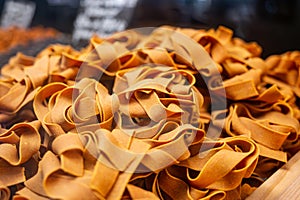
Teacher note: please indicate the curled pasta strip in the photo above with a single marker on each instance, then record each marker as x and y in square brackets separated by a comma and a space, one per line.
[138, 193]
[204, 176]
[16, 87]
[19, 143]
[164, 184]
[50, 179]
[285, 67]
[269, 128]
[158, 93]
[17, 146]
[243, 159]
[93, 101]
[41, 107]
[122, 155]
[118, 169]
[286, 92]
[185, 52]
[11, 175]
[109, 59]
[71, 107]
[239, 87]
[4, 193]
[233, 55]
[69, 163]
[23, 76]
[70, 153]
[129, 39]
[16, 65]
[60, 64]
[63, 63]
[107, 55]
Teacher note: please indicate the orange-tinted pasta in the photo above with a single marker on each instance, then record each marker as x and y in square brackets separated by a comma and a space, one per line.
[130, 117]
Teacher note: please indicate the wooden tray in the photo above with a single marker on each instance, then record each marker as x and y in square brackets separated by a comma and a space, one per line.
[283, 184]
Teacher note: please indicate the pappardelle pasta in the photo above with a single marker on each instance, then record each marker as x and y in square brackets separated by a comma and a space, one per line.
[130, 116]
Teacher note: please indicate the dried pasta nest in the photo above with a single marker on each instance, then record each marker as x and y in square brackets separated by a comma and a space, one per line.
[176, 114]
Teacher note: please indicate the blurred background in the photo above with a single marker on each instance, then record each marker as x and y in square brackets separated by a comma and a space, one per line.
[274, 24]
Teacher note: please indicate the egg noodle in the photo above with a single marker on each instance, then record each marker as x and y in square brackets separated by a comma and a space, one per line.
[141, 130]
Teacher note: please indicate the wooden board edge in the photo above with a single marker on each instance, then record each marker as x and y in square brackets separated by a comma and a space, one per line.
[283, 184]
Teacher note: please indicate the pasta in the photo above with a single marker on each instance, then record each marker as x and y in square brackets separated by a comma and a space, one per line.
[12, 37]
[176, 114]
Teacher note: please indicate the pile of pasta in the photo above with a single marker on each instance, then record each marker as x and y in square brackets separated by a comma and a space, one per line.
[130, 116]
[11, 37]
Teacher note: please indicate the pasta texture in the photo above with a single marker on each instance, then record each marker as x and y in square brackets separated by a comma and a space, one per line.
[13, 37]
[176, 114]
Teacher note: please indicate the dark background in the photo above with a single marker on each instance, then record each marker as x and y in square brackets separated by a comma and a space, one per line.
[274, 24]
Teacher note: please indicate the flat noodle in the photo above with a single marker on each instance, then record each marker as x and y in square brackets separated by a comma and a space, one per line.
[130, 117]
[209, 173]
[4, 193]
[280, 126]
[285, 67]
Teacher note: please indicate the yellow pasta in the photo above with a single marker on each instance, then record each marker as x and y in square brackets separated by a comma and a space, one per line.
[131, 116]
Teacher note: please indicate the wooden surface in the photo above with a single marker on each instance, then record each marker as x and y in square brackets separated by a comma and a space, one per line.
[283, 184]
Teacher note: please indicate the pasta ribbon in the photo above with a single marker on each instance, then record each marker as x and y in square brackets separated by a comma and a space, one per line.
[177, 114]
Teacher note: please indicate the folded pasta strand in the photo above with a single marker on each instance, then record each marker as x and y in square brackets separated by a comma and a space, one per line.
[130, 117]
